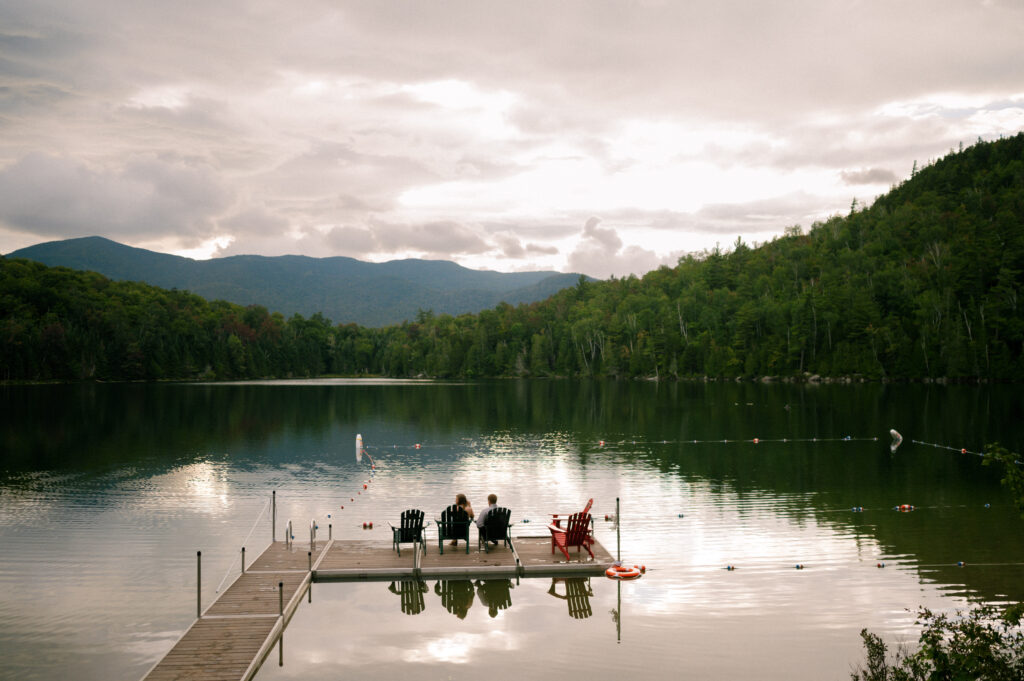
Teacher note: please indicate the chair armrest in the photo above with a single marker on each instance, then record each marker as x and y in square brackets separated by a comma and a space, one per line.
[556, 528]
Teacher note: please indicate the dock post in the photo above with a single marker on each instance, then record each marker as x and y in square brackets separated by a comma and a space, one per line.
[618, 531]
[330, 531]
[243, 560]
[199, 584]
[280, 609]
[273, 518]
[310, 554]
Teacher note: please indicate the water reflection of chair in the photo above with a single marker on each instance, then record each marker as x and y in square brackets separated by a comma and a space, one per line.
[495, 594]
[453, 524]
[577, 595]
[410, 530]
[496, 528]
[411, 592]
[456, 595]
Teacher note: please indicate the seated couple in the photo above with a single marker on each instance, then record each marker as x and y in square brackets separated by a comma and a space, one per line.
[462, 502]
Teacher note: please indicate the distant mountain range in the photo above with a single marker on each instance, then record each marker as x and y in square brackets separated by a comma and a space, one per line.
[343, 289]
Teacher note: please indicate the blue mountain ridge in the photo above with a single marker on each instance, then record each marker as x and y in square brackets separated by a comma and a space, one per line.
[344, 290]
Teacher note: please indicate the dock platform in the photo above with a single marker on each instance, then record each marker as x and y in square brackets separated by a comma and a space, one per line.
[234, 635]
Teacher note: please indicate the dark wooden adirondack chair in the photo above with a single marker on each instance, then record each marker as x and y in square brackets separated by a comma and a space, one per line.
[453, 524]
[496, 528]
[410, 530]
[574, 532]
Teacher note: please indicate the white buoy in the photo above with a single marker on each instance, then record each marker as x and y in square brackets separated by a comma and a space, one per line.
[359, 448]
[897, 440]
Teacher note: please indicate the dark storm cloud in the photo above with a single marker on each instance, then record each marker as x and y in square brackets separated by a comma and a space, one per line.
[59, 197]
[869, 176]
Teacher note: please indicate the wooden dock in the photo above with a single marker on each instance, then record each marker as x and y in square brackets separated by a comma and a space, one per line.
[234, 635]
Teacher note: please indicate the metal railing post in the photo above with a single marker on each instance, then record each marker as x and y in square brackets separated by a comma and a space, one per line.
[330, 531]
[618, 531]
[280, 599]
[273, 518]
[199, 584]
[243, 560]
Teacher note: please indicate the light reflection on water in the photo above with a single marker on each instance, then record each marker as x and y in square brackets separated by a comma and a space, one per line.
[98, 567]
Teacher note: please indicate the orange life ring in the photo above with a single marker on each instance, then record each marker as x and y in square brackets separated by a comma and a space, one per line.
[622, 572]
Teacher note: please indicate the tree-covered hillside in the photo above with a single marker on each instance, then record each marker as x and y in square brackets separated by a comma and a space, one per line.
[343, 289]
[923, 284]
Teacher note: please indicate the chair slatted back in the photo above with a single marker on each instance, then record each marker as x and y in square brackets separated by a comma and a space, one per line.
[411, 527]
[454, 523]
[496, 524]
[577, 529]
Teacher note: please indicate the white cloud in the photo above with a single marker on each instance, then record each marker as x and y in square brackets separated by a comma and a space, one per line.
[600, 253]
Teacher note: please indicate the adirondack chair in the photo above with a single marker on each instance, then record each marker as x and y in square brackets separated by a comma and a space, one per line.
[575, 532]
[410, 530]
[453, 524]
[411, 592]
[496, 528]
[577, 595]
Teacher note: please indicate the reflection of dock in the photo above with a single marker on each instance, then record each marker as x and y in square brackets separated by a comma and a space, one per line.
[237, 632]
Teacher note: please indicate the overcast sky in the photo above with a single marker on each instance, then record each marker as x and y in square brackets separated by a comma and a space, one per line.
[594, 136]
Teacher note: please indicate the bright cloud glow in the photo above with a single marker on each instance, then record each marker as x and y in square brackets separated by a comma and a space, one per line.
[166, 97]
[206, 250]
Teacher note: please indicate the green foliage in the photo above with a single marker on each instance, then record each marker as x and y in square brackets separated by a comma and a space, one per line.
[59, 324]
[1013, 471]
[923, 284]
[981, 644]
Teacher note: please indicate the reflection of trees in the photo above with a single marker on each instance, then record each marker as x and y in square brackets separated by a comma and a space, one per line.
[411, 591]
[143, 430]
[456, 595]
[577, 595]
[495, 594]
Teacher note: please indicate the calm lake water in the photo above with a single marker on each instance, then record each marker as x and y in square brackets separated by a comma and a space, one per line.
[108, 491]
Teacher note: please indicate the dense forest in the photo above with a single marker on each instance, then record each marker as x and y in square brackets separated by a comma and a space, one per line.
[923, 284]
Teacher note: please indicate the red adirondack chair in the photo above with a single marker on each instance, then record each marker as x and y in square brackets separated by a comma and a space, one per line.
[575, 532]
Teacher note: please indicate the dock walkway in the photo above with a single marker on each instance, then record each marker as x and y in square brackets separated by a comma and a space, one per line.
[234, 635]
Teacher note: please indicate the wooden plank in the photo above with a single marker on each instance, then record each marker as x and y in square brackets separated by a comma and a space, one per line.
[363, 554]
[279, 556]
[454, 556]
[214, 649]
[256, 593]
[537, 559]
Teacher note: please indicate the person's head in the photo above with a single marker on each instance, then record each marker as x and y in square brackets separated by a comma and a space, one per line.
[492, 499]
[461, 500]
